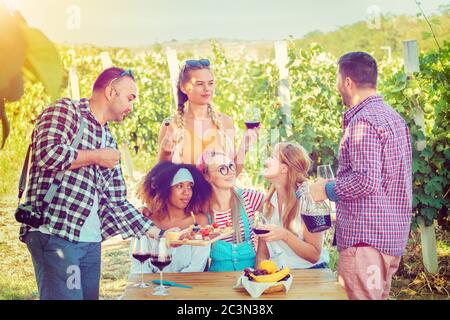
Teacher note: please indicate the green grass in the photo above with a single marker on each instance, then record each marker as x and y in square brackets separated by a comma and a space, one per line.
[11, 162]
[17, 281]
[16, 269]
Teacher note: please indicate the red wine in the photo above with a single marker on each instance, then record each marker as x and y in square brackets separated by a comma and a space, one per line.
[317, 223]
[142, 257]
[161, 264]
[252, 124]
[260, 231]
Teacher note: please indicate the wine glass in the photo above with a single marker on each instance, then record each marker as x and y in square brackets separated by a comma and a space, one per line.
[161, 257]
[141, 252]
[259, 222]
[252, 118]
[326, 172]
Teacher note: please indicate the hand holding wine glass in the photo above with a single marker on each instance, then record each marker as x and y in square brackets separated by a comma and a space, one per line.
[252, 118]
[325, 171]
[259, 223]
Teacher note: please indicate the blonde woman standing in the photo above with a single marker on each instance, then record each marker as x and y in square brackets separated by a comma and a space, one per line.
[197, 125]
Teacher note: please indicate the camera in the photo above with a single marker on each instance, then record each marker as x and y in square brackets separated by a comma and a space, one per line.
[25, 214]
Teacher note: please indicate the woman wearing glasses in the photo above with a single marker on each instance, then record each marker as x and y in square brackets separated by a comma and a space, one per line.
[170, 193]
[197, 125]
[230, 206]
[289, 243]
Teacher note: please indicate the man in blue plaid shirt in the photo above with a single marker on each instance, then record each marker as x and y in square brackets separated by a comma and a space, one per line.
[90, 204]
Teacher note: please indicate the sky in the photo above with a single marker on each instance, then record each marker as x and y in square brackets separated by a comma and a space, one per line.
[144, 22]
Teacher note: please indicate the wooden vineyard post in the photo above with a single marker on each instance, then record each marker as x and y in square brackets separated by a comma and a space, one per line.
[74, 84]
[174, 69]
[106, 60]
[429, 251]
[427, 233]
[281, 60]
[389, 52]
[411, 56]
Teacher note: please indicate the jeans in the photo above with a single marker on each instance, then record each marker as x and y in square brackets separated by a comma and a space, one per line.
[65, 270]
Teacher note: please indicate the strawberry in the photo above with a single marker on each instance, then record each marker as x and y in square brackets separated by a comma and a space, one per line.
[205, 232]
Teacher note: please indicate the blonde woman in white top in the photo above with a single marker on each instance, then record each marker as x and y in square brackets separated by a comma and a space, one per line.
[289, 243]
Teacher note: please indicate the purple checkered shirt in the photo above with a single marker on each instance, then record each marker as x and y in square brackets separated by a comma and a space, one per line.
[374, 179]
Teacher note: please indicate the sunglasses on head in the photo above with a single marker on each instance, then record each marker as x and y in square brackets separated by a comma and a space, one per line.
[198, 63]
[128, 73]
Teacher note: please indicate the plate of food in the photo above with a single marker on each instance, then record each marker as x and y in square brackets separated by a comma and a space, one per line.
[267, 278]
[197, 235]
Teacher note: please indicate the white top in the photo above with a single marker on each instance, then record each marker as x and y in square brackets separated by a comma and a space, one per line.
[184, 259]
[281, 253]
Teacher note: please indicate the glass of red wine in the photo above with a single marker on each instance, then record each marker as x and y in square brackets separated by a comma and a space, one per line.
[161, 257]
[141, 252]
[259, 223]
[252, 118]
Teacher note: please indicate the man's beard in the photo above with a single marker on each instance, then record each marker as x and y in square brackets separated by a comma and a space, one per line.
[346, 101]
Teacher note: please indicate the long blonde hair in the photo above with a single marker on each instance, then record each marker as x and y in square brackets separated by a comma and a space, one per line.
[235, 203]
[179, 119]
[298, 162]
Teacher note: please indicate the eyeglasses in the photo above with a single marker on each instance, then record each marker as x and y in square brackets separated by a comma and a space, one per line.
[198, 63]
[123, 74]
[225, 169]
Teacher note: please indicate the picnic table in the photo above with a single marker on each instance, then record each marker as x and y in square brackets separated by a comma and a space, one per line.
[313, 284]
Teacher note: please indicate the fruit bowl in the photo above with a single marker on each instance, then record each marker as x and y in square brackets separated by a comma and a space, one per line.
[268, 278]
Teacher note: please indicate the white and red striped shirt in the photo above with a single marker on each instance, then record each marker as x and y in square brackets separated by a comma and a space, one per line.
[252, 200]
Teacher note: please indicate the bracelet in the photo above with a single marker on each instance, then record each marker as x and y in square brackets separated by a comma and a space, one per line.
[161, 233]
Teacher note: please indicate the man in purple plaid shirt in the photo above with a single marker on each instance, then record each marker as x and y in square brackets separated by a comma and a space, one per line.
[373, 186]
[91, 203]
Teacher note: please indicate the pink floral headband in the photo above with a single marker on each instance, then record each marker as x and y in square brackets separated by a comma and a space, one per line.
[203, 158]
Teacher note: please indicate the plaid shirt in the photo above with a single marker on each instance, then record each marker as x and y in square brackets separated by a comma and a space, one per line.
[374, 179]
[55, 130]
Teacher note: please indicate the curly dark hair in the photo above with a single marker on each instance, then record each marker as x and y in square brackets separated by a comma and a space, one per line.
[155, 189]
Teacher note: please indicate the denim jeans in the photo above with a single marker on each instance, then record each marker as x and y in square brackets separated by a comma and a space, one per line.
[65, 270]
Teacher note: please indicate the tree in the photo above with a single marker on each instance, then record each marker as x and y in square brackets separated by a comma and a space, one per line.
[24, 53]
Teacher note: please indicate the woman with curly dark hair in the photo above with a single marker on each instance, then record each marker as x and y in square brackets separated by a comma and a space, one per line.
[174, 195]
